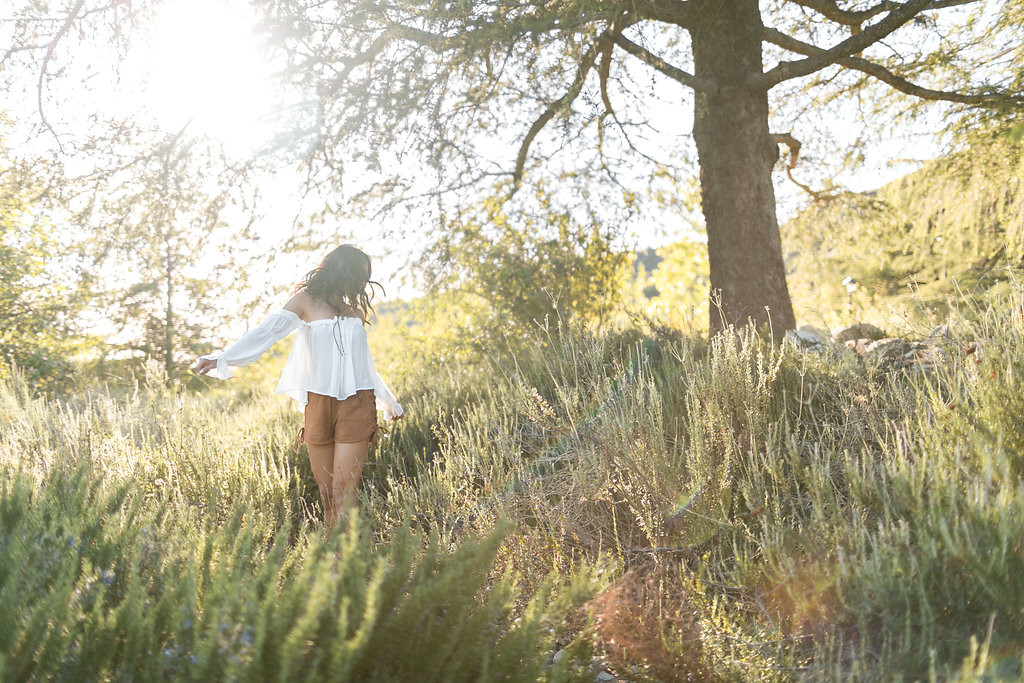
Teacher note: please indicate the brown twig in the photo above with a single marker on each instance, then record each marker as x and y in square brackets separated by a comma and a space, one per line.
[794, 154]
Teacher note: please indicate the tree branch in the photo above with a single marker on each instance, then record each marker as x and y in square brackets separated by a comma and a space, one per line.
[606, 45]
[651, 59]
[883, 74]
[831, 10]
[794, 154]
[794, 145]
[604, 71]
[854, 44]
[553, 108]
[50, 48]
[393, 32]
[854, 18]
[440, 42]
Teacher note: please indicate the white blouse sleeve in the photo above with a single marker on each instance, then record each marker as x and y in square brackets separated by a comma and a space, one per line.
[386, 400]
[254, 343]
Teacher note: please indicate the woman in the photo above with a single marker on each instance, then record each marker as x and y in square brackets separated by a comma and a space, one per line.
[329, 372]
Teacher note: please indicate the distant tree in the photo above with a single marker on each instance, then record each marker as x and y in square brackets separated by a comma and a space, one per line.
[441, 82]
[675, 287]
[161, 221]
[169, 262]
[40, 293]
[528, 267]
[955, 223]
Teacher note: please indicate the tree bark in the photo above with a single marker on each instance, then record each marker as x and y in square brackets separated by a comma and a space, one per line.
[737, 154]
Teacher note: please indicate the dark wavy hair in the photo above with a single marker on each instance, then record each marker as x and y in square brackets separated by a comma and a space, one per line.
[342, 281]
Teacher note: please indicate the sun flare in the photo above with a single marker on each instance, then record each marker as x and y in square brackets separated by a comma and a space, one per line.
[202, 64]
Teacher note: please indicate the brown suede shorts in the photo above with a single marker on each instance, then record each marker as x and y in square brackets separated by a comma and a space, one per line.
[329, 420]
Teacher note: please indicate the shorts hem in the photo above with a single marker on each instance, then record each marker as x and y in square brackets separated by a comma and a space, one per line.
[371, 437]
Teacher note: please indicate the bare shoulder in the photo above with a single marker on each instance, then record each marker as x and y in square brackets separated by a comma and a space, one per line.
[300, 304]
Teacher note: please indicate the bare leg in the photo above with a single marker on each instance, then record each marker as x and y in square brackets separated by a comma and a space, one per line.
[321, 461]
[349, 459]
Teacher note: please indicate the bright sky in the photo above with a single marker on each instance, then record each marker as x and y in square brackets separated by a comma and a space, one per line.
[200, 64]
[201, 60]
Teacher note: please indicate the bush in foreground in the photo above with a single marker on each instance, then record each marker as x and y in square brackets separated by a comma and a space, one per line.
[136, 545]
[801, 514]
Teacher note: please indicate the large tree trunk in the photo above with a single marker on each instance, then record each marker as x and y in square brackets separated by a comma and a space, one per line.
[737, 154]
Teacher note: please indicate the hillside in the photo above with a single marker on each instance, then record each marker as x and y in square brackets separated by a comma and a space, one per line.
[649, 504]
[903, 250]
[887, 256]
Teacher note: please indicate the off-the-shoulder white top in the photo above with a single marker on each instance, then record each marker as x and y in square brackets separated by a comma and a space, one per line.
[329, 357]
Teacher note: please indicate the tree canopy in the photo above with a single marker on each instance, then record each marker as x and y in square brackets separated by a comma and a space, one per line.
[482, 92]
[449, 102]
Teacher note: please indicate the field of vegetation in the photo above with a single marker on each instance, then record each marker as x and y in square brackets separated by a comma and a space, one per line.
[621, 497]
[616, 462]
[640, 501]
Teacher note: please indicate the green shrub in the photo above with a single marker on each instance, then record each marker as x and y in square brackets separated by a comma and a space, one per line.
[820, 516]
[153, 537]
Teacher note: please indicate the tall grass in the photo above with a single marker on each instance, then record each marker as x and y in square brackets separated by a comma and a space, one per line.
[167, 535]
[742, 510]
[803, 515]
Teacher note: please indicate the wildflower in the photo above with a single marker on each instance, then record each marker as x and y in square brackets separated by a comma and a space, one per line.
[71, 542]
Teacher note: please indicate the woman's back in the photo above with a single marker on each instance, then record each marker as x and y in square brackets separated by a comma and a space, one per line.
[330, 356]
[314, 309]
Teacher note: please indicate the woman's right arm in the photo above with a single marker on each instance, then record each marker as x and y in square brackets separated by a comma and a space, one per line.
[253, 343]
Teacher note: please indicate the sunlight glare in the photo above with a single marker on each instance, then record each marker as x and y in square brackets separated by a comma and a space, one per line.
[203, 61]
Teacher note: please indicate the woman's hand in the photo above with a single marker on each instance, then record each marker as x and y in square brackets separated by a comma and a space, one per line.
[203, 366]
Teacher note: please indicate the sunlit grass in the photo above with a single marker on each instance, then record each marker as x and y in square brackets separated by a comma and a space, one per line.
[735, 509]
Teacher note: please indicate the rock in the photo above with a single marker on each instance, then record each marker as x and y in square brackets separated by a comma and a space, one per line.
[604, 676]
[888, 351]
[857, 331]
[807, 341]
[924, 357]
[816, 332]
[559, 656]
[859, 346]
[894, 352]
